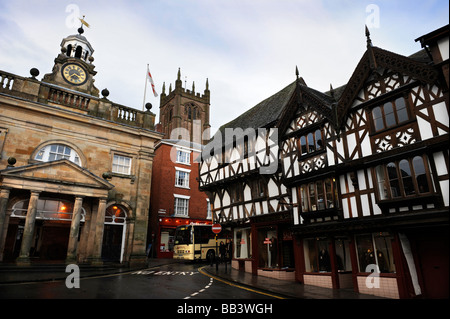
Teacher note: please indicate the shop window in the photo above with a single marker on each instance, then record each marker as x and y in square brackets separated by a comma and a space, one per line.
[242, 243]
[54, 152]
[403, 179]
[343, 254]
[375, 250]
[317, 256]
[268, 248]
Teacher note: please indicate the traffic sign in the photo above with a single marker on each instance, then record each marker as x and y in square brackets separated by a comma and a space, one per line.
[216, 228]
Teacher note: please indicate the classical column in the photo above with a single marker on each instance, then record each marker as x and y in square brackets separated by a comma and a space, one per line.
[99, 226]
[74, 230]
[28, 231]
[4, 197]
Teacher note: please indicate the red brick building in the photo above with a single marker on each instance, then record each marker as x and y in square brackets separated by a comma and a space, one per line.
[176, 198]
[184, 120]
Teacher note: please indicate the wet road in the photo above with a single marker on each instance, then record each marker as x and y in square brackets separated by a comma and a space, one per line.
[175, 281]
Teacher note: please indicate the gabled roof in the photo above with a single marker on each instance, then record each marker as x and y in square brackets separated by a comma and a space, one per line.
[374, 57]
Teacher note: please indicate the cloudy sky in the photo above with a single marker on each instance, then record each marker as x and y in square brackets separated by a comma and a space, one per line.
[248, 49]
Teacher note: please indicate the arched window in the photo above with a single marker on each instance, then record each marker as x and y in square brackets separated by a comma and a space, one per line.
[47, 209]
[69, 50]
[78, 51]
[115, 214]
[54, 152]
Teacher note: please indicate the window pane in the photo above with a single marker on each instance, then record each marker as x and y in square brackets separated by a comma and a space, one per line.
[304, 198]
[364, 248]
[320, 195]
[381, 179]
[312, 197]
[303, 144]
[318, 136]
[385, 259]
[389, 113]
[311, 145]
[329, 194]
[402, 113]
[377, 118]
[405, 171]
[421, 176]
[393, 180]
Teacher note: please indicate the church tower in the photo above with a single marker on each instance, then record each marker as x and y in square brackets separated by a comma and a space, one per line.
[184, 114]
[73, 67]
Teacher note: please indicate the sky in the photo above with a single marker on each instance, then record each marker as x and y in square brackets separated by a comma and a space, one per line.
[247, 49]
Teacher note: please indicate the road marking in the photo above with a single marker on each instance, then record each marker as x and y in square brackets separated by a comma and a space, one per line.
[201, 290]
[235, 285]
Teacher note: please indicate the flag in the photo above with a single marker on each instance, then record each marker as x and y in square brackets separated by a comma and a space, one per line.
[149, 77]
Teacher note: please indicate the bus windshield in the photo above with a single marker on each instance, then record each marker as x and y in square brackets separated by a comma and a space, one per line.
[183, 235]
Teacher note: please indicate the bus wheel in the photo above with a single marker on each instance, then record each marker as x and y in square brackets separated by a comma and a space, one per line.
[210, 256]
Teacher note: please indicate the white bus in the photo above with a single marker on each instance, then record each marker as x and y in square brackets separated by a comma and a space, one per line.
[198, 242]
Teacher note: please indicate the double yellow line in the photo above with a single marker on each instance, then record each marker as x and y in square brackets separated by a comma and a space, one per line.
[203, 272]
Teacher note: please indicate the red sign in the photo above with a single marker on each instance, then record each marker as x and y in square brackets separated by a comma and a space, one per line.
[267, 241]
[216, 228]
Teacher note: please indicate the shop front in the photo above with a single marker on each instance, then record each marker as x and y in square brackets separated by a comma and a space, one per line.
[272, 246]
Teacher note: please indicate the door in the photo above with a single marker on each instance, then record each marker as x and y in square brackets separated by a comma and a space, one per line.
[433, 254]
[112, 243]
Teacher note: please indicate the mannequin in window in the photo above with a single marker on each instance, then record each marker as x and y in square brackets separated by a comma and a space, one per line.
[324, 261]
[273, 248]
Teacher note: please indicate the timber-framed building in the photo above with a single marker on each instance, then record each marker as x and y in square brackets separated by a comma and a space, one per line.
[347, 188]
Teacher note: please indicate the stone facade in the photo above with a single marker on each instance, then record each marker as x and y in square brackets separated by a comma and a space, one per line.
[75, 169]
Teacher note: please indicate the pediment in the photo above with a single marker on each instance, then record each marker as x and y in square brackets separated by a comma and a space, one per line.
[57, 172]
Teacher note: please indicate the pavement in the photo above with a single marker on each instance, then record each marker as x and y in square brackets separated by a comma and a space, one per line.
[14, 274]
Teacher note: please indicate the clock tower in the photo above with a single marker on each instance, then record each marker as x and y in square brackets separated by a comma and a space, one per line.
[73, 66]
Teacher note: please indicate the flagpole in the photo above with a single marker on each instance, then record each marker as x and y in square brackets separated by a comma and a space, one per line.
[145, 89]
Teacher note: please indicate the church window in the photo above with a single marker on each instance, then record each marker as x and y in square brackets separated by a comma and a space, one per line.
[54, 152]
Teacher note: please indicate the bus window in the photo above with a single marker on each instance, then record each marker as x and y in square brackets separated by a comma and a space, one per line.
[183, 236]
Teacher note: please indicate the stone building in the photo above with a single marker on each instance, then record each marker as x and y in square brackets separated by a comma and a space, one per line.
[75, 168]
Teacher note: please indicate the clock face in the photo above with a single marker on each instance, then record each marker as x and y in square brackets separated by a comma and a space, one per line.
[74, 74]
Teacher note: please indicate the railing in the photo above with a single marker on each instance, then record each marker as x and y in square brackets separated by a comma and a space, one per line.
[68, 99]
[6, 81]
